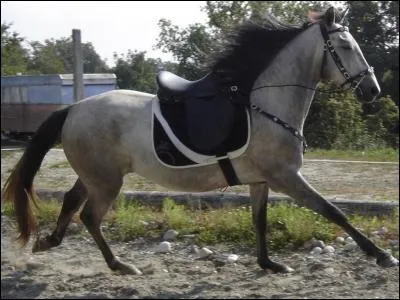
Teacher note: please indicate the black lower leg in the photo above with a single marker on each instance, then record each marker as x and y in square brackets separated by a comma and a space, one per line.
[73, 200]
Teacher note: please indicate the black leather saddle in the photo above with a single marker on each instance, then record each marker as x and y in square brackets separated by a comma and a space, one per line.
[175, 88]
[202, 113]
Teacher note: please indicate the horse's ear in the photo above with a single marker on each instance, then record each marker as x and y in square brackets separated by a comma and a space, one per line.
[343, 14]
[329, 17]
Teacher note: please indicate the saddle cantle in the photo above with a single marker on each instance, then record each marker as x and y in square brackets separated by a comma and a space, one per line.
[202, 113]
[176, 88]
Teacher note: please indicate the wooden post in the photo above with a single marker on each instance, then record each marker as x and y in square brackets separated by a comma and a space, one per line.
[78, 65]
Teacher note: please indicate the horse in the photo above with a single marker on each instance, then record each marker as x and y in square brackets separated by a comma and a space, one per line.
[276, 67]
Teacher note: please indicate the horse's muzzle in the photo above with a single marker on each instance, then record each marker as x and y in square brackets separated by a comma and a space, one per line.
[368, 90]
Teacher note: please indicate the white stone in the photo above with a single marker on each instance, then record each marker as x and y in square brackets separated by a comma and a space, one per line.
[163, 247]
[339, 240]
[232, 258]
[204, 252]
[328, 249]
[350, 246]
[316, 250]
[330, 270]
[170, 235]
[349, 240]
[319, 243]
[314, 243]
[194, 249]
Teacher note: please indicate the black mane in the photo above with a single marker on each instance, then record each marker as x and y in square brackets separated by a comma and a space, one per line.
[250, 49]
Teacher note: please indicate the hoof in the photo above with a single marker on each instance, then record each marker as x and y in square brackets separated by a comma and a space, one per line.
[387, 261]
[284, 269]
[276, 267]
[124, 269]
[42, 244]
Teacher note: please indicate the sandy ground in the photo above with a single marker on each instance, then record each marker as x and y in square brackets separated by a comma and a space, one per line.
[77, 270]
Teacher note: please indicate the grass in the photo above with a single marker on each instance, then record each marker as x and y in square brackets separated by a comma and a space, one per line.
[389, 155]
[60, 165]
[5, 154]
[289, 226]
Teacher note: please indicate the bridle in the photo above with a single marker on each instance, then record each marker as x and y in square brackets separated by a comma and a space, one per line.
[353, 80]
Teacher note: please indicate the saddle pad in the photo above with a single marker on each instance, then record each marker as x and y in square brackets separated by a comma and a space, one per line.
[173, 152]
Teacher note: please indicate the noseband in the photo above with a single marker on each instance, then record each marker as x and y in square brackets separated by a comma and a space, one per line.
[355, 80]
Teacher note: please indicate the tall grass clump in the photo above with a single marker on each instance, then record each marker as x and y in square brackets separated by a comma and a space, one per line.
[131, 218]
[289, 225]
[176, 217]
[227, 225]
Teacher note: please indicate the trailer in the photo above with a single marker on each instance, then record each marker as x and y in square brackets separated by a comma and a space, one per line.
[27, 100]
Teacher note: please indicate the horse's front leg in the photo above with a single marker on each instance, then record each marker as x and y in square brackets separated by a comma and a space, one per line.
[295, 186]
[259, 198]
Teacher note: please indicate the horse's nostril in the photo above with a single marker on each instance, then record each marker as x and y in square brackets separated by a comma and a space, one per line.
[374, 91]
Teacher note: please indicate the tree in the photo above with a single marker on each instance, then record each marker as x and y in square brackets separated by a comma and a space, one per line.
[384, 124]
[45, 59]
[193, 45]
[334, 121]
[375, 26]
[13, 54]
[135, 72]
[189, 46]
[57, 56]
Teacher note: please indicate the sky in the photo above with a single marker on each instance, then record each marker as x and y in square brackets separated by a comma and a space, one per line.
[111, 26]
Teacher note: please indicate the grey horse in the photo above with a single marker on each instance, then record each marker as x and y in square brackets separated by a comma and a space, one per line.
[109, 135]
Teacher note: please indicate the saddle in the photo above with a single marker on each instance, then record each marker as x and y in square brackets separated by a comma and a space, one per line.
[201, 113]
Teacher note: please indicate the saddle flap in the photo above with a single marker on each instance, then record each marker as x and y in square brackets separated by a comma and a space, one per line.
[209, 122]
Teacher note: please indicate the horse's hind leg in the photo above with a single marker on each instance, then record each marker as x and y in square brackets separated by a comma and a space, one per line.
[259, 198]
[73, 200]
[92, 214]
[297, 187]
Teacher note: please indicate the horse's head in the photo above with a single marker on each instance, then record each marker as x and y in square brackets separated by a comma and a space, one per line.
[343, 61]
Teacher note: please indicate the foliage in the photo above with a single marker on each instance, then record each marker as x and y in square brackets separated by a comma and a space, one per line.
[189, 46]
[375, 26]
[336, 121]
[45, 60]
[175, 215]
[384, 154]
[136, 72]
[56, 56]
[384, 123]
[13, 53]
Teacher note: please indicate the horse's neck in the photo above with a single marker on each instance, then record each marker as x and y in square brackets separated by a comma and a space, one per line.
[299, 63]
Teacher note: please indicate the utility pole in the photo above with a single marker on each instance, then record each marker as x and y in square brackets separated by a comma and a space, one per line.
[78, 65]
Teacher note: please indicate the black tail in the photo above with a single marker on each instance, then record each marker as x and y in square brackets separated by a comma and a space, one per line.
[18, 187]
